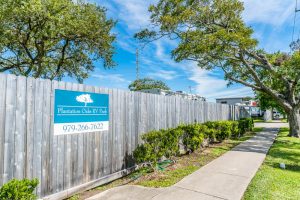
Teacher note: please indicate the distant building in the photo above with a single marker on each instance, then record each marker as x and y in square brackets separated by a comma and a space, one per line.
[249, 104]
[172, 93]
[239, 101]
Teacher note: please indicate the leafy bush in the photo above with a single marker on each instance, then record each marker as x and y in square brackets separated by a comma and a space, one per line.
[193, 136]
[225, 130]
[211, 131]
[19, 189]
[166, 142]
[152, 149]
[158, 144]
[245, 124]
[171, 141]
[235, 129]
[221, 130]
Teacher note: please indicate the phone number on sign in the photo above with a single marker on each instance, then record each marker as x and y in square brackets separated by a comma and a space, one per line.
[83, 127]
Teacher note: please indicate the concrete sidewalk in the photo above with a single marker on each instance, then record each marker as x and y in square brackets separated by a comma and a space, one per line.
[227, 177]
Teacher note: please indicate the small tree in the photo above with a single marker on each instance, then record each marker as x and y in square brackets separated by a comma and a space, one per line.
[147, 83]
[54, 38]
[213, 34]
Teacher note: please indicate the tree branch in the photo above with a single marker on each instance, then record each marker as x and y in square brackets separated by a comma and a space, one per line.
[62, 59]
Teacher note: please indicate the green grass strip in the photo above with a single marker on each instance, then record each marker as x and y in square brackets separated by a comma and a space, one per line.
[273, 183]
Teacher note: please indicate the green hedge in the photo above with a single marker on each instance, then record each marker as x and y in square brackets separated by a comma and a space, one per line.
[245, 124]
[19, 189]
[166, 142]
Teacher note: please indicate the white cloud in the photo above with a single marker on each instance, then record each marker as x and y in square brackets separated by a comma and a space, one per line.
[127, 45]
[164, 74]
[117, 78]
[274, 12]
[134, 13]
[211, 86]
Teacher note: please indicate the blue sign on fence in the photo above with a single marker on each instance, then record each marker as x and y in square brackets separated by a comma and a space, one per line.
[80, 112]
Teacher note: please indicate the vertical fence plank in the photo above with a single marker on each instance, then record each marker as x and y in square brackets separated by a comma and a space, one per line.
[30, 91]
[10, 122]
[97, 149]
[60, 153]
[45, 153]
[38, 131]
[53, 145]
[20, 133]
[2, 122]
[106, 138]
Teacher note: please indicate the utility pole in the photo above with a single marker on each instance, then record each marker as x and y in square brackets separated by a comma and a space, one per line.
[295, 15]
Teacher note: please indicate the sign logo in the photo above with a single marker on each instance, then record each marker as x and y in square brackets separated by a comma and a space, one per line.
[80, 112]
[84, 98]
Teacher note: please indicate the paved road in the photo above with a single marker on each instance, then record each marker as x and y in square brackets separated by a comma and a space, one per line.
[227, 177]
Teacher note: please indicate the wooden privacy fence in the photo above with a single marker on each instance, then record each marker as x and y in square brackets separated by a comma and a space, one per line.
[28, 147]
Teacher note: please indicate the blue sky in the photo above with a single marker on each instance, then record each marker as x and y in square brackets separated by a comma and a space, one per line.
[272, 21]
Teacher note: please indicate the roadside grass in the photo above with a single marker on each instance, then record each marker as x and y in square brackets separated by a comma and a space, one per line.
[183, 166]
[273, 183]
[284, 120]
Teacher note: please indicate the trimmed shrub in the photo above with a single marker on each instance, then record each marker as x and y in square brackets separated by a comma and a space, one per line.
[166, 142]
[158, 144]
[245, 124]
[193, 136]
[225, 128]
[171, 141]
[235, 131]
[19, 189]
[220, 130]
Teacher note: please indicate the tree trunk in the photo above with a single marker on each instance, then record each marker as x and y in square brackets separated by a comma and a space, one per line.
[294, 121]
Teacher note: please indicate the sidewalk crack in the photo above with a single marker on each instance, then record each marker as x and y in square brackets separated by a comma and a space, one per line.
[201, 192]
[232, 174]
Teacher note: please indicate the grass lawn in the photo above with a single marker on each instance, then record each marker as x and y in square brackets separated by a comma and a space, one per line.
[182, 167]
[271, 182]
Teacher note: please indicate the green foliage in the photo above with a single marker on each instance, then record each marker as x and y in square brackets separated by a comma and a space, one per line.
[235, 129]
[213, 34]
[158, 144]
[166, 142]
[147, 83]
[54, 38]
[19, 189]
[245, 125]
[193, 136]
[222, 129]
[266, 102]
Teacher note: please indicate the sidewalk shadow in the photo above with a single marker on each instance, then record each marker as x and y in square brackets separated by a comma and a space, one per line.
[259, 143]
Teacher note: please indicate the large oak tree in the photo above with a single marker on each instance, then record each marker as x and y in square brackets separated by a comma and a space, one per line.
[54, 38]
[213, 34]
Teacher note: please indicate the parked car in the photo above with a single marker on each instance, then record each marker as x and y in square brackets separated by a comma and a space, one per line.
[276, 115]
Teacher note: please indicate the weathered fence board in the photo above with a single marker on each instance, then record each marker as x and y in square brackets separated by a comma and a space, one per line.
[28, 147]
[2, 123]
